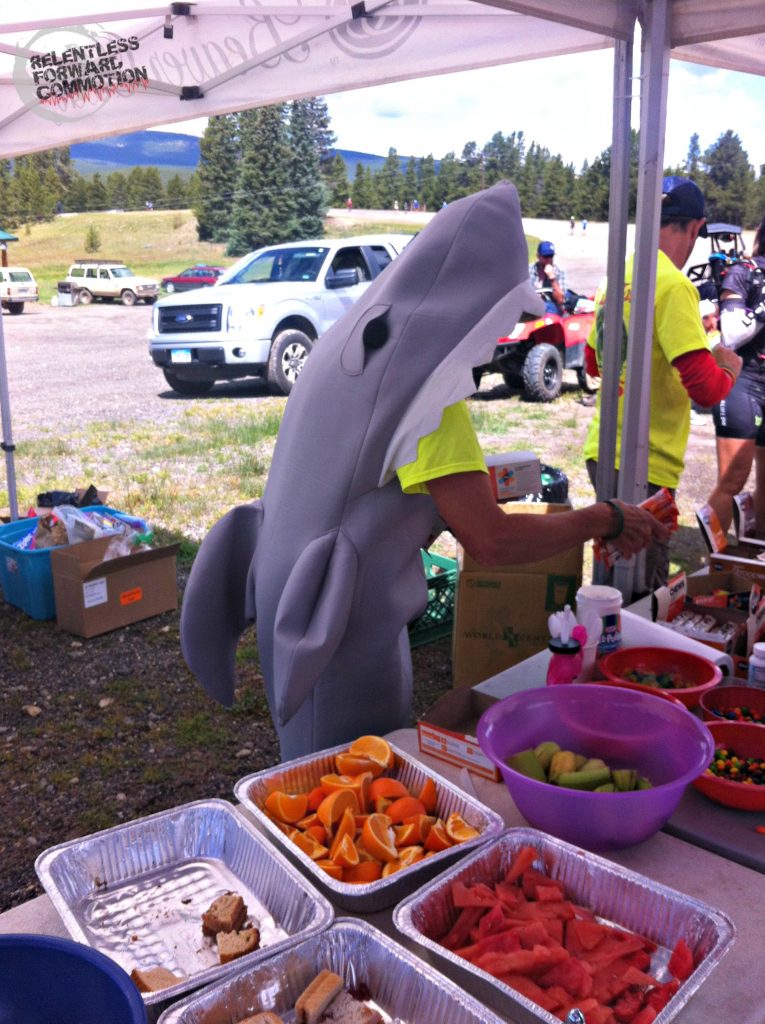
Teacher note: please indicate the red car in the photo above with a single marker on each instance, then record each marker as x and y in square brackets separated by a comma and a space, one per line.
[194, 277]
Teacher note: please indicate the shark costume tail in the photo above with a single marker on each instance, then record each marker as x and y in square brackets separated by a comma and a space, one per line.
[328, 564]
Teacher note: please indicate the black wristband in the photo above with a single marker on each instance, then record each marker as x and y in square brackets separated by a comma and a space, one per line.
[618, 530]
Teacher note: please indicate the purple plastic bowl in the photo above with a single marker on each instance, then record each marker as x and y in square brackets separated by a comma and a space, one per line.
[661, 740]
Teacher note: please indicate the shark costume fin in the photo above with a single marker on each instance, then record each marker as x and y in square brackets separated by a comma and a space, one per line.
[219, 601]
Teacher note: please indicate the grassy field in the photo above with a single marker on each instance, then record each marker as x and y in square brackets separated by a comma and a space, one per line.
[153, 244]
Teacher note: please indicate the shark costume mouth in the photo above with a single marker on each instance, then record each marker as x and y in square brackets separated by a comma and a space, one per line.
[327, 564]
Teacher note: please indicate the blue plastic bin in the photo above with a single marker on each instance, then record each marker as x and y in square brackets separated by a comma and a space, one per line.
[26, 578]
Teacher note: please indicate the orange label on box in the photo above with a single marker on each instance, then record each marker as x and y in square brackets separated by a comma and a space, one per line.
[131, 596]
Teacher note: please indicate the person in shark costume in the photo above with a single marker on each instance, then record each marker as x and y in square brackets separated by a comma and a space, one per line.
[327, 564]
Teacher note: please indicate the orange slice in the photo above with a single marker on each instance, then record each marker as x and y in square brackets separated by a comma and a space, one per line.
[315, 797]
[410, 855]
[422, 823]
[355, 764]
[329, 783]
[330, 810]
[438, 838]
[308, 821]
[318, 832]
[375, 748]
[345, 853]
[404, 807]
[428, 796]
[381, 804]
[390, 868]
[361, 785]
[389, 788]
[459, 830]
[378, 839]
[333, 870]
[406, 835]
[346, 827]
[306, 842]
[364, 871]
[286, 806]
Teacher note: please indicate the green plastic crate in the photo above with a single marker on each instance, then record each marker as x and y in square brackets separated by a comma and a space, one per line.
[436, 621]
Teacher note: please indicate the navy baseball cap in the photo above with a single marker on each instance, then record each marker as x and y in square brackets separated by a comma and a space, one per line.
[545, 249]
[682, 199]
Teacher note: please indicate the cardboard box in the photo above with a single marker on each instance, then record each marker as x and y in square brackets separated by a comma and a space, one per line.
[447, 731]
[93, 596]
[514, 475]
[746, 611]
[501, 614]
[722, 554]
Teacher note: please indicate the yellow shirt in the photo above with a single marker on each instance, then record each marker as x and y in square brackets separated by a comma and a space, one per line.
[677, 329]
[452, 448]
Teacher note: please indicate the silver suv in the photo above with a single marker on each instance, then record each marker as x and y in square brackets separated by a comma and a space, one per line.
[110, 279]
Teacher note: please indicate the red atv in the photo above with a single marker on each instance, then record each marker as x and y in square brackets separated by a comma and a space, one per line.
[536, 353]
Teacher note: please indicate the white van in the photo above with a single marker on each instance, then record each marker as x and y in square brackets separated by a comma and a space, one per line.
[17, 286]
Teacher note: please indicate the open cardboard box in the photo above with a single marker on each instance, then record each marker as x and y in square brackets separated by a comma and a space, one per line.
[748, 546]
[94, 597]
[447, 731]
[743, 614]
[501, 613]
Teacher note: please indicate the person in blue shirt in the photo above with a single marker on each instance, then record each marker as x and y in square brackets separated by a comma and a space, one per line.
[548, 278]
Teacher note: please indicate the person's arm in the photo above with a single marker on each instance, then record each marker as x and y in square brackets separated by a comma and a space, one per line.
[708, 376]
[738, 324]
[555, 287]
[467, 505]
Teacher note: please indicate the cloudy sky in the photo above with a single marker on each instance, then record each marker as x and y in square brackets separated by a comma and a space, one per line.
[562, 103]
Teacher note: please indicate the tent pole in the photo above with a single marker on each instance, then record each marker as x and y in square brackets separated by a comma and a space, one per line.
[654, 71]
[618, 213]
[5, 420]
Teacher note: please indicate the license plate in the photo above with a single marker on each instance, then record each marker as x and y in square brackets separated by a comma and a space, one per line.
[180, 355]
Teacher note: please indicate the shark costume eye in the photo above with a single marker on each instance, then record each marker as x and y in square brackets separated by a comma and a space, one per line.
[376, 332]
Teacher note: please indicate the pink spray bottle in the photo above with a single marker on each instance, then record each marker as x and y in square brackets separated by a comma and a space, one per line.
[566, 640]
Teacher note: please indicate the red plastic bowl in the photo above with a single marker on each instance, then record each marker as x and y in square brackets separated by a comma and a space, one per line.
[723, 699]
[746, 740]
[658, 738]
[701, 674]
[654, 691]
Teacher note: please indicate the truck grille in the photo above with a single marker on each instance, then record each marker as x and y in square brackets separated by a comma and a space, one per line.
[189, 319]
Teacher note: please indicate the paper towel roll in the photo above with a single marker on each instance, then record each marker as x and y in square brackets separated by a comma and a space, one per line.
[640, 632]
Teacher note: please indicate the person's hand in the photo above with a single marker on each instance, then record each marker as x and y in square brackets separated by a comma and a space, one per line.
[728, 359]
[550, 272]
[641, 528]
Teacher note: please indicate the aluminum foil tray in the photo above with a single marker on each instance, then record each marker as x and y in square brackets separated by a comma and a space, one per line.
[137, 892]
[303, 774]
[616, 895]
[400, 986]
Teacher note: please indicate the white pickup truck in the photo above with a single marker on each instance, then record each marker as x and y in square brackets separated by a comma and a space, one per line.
[264, 314]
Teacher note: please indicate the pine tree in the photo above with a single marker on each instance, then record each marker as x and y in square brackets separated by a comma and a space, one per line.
[411, 189]
[76, 196]
[7, 205]
[154, 191]
[728, 180]
[337, 181]
[219, 153]
[116, 190]
[318, 119]
[447, 179]
[426, 172]
[264, 208]
[363, 190]
[309, 193]
[92, 239]
[389, 181]
[176, 196]
[694, 157]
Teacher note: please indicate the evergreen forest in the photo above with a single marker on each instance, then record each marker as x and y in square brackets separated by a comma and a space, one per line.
[270, 174]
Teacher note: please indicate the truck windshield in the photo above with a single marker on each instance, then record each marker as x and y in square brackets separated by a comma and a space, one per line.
[122, 272]
[280, 265]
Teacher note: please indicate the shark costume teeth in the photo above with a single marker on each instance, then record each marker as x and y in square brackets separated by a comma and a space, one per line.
[327, 563]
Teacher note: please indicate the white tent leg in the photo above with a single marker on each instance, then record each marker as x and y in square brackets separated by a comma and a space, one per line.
[633, 475]
[5, 419]
[618, 212]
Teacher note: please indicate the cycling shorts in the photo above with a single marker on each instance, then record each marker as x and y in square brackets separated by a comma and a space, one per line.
[741, 414]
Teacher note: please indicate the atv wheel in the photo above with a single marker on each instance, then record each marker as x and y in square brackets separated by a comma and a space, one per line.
[543, 373]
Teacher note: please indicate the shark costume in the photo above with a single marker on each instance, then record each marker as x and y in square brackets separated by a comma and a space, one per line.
[328, 563]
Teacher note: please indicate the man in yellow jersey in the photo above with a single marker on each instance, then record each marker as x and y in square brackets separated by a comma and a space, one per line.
[682, 365]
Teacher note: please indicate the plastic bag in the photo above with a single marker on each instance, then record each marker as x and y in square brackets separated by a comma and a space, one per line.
[127, 542]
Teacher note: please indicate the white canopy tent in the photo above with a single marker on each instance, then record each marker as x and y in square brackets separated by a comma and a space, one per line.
[107, 66]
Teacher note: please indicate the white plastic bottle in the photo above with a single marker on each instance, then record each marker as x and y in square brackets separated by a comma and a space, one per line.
[756, 673]
[606, 603]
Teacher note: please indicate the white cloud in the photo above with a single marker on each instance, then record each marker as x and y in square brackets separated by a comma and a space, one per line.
[562, 103]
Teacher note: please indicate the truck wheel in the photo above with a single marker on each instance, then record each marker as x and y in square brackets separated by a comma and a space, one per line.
[289, 351]
[14, 308]
[543, 373]
[170, 287]
[84, 297]
[194, 388]
[128, 298]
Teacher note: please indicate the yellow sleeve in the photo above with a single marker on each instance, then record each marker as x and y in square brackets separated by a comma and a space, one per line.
[452, 448]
